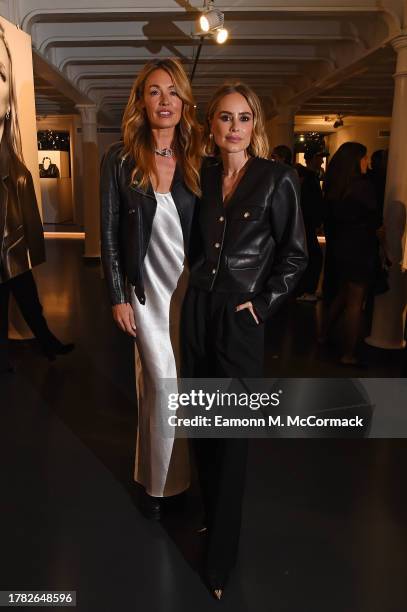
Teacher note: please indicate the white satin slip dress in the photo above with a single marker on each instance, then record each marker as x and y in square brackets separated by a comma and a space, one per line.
[162, 462]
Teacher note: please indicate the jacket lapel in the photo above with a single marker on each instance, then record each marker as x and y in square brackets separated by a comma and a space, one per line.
[183, 199]
[212, 183]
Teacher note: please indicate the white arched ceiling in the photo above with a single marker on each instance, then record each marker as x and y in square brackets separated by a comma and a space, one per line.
[330, 56]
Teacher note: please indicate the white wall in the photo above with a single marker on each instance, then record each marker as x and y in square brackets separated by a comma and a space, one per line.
[357, 129]
[361, 129]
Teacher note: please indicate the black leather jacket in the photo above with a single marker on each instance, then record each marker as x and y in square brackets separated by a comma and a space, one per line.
[21, 234]
[256, 243]
[127, 214]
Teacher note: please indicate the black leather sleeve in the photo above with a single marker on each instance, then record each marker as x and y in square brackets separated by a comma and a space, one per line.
[110, 226]
[291, 256]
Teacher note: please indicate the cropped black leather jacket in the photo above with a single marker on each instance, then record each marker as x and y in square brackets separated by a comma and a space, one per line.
[127, 214]
[21, 234]
[256, 242]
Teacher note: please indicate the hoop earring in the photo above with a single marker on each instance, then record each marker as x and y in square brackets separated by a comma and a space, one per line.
[8, 115]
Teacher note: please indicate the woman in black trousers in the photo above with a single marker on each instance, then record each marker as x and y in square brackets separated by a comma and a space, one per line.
[253, 254]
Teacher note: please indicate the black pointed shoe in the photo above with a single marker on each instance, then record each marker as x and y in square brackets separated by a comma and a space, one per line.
[151, 507]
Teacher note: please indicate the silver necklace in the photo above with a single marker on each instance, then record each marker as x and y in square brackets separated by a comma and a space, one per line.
[165, 152]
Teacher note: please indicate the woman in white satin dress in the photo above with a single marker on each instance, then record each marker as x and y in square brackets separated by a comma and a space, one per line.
[148, 187]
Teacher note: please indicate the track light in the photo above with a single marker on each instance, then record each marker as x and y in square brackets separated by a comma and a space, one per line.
[221, 35]
[211, 20]
[211, 23]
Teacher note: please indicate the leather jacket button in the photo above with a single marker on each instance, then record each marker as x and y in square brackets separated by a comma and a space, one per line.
[217, 245]
[246, 214]
[221, 219]
[214, 271]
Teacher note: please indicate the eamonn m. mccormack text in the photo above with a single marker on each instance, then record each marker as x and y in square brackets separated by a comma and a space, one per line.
[313, 421]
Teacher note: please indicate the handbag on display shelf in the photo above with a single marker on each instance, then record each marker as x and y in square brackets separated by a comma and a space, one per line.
[49, 170]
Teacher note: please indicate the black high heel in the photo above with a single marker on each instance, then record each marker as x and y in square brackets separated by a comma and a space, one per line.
[150, 506]
[216, 585]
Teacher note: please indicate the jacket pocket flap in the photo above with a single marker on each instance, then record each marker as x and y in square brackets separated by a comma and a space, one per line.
[245, 261]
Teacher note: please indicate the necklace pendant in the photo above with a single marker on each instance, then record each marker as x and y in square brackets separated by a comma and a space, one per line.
[165, 152]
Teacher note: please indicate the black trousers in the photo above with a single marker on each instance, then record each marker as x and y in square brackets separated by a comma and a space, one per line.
[221, 343]
[25, 293]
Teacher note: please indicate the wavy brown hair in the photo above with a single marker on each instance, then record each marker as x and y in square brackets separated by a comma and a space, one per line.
[259, 146]
[138, 138]
[11, 127]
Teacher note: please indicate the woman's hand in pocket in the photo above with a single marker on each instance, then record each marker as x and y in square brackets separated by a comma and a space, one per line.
[249, 306]
[123, 316]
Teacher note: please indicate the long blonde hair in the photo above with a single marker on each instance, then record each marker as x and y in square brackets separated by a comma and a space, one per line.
[138, 137]
[259, 146]
[11, 127]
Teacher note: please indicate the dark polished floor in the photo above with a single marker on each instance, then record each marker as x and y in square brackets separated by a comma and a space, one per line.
[324, 527]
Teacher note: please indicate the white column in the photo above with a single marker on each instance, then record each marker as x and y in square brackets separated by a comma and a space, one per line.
[90, 179]
[280, 129]
[390, 308]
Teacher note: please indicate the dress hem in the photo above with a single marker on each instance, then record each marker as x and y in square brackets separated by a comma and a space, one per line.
[166, 495]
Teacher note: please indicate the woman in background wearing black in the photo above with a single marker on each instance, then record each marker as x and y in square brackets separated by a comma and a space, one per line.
[21, 234]
[352, 244]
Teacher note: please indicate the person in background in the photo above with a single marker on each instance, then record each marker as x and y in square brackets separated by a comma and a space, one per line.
[352, 244]
[282, 154]
[21, 233]
[312, 211]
